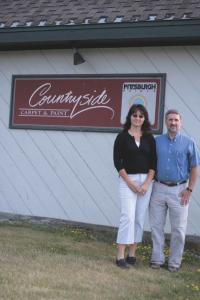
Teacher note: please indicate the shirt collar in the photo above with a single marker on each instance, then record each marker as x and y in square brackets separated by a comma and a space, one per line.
[174, 139]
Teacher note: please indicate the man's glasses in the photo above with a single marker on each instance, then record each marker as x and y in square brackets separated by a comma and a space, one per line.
[138, 116]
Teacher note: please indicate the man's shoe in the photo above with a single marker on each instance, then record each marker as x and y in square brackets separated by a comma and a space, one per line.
[122, 263]
[173, 269]
[131, 260]
[155, 266]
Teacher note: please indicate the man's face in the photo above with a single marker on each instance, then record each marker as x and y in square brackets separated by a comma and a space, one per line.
[173, 123]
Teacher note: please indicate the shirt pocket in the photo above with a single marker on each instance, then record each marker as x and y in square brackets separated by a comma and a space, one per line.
[181, 162]
[180, 158]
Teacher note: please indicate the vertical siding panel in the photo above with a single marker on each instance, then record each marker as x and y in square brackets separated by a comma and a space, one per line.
[15, 201]
[193, 220]
[40, 163]
[64, 174]
[5, 195]
[81, 176]
[45, 200]
[91, 175]
[99, 145]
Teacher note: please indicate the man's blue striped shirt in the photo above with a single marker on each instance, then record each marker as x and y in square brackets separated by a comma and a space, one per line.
[175, 157]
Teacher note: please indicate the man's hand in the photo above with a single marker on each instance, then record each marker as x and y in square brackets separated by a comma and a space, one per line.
[185, 197]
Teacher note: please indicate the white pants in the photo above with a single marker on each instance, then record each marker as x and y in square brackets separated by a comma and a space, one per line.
[133, 211]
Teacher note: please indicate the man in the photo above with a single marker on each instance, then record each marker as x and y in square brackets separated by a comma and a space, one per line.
[177, 170]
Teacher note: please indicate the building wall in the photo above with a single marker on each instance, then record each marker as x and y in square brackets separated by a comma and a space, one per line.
[70, 175]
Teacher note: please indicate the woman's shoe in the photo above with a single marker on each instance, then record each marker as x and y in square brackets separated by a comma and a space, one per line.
[122, 263]
[131, 260]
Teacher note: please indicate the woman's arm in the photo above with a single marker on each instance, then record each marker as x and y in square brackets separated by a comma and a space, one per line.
[152, 170]
[144, 187]
[118, 152]
[131, 184]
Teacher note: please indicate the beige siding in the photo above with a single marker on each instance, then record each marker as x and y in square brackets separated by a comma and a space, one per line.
[70, 175]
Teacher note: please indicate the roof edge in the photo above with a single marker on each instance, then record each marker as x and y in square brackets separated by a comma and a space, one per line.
[147, 33]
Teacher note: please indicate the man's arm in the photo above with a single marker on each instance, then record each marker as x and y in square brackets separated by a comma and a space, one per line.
[193, 177]
[192, 180]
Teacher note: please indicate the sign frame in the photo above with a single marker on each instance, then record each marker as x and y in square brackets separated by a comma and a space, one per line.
[129, 81]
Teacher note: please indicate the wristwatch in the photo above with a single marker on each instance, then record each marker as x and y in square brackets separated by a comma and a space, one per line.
[189, 189]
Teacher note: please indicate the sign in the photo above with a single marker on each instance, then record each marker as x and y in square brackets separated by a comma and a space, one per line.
[84, 102]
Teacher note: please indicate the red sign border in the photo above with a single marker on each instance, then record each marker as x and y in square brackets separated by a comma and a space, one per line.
[159, 107]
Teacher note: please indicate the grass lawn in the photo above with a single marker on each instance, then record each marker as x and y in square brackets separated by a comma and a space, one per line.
[61, 262]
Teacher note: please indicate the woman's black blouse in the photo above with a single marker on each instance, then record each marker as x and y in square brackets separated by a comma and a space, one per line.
[134, 159]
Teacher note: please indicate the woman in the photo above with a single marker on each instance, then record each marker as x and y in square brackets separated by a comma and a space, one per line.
[135, 160]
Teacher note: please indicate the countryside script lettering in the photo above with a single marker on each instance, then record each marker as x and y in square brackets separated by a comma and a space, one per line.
[42, 96]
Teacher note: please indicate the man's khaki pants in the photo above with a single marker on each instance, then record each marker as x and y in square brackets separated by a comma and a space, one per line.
[163, 199]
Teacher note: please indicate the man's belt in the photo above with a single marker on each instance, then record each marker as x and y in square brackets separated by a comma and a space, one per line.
[170, 183]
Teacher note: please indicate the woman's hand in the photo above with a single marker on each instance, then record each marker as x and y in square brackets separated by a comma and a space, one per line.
[133, 186]
[143, 189]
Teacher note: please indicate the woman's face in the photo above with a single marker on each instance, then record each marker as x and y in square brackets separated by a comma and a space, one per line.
[137, 118]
